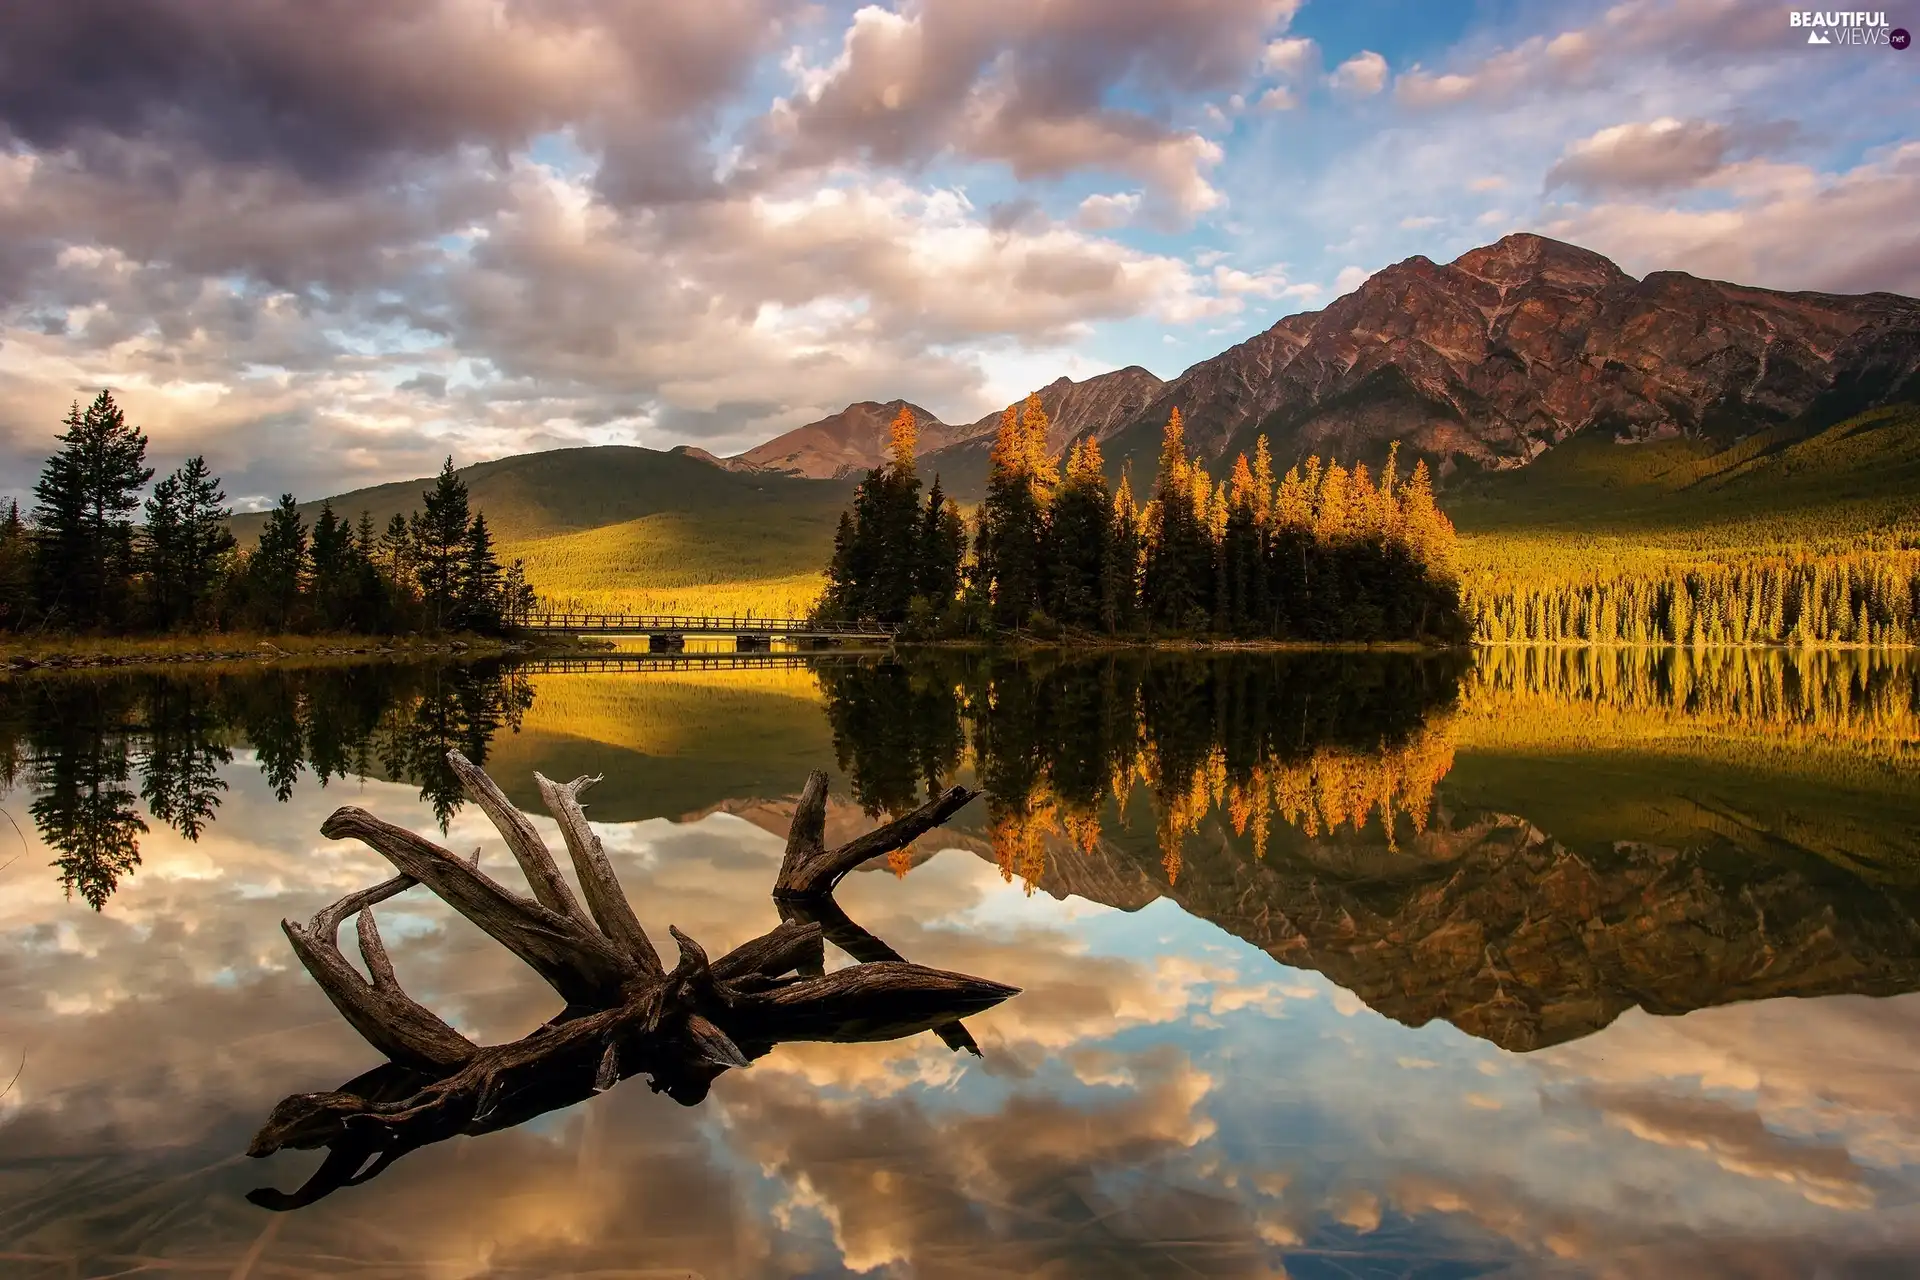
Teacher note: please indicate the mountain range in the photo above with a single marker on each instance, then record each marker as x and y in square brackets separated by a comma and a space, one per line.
[1482, 363]
[1513, 369]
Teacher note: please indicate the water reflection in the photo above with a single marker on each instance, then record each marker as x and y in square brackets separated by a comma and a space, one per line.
[1622, 861]
[83, 743]
[1299, 804]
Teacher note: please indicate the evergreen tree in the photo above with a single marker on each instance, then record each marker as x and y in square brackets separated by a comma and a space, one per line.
[396, 549]
[1120, 574]
[16, 570]
[439, 546]
[479, 593]
[518, 602]
[943, 543]
[1009, 547]
[1178, 577]
[277, 570]
[84, 504]
[881, 557]
[205, 543]
[336, 578]
[1079, 526]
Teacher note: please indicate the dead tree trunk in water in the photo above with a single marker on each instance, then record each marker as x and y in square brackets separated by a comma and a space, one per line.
[625, 1014]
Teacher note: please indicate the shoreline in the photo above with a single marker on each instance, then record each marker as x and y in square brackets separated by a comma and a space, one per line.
[68, 653]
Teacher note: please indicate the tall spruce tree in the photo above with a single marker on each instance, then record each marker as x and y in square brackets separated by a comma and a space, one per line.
[83, 515]
[480, 573]
[277, 570]
[16, 570]
[336, 580]
[1177, 579]
[439, 536]
[206, 543]
[1009, 548]
[880, 558]
[1079, 526]
[1120, 574]
[943, 544]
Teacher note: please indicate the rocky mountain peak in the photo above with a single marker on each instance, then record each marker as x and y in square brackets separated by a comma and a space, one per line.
[1523, 258]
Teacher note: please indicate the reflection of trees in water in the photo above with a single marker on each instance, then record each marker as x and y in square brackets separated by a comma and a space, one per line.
[77, 759]
[79, 742]
[1314, 740]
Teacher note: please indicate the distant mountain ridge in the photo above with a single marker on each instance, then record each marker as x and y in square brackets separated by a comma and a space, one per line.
[844, 444]
[1482, 363]
[1492, 359]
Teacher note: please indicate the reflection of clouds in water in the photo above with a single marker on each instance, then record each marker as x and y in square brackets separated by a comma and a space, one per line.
[1160, 1097]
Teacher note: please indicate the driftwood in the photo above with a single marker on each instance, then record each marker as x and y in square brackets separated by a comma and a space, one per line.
[626, 1013]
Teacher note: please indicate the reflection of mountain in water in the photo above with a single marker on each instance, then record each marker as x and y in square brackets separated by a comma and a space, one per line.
[1301, 806]
[1492, 925]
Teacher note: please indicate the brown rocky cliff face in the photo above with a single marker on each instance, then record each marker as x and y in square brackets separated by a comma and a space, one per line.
[1491, 925]
[1097, 406]
[1509, 349]
[844, 444]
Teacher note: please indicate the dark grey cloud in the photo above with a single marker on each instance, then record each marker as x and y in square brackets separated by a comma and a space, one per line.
[328, 88]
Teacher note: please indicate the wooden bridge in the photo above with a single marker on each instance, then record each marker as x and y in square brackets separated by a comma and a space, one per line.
[668, 632]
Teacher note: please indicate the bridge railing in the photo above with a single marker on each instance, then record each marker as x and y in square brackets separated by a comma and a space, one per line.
[690, 623]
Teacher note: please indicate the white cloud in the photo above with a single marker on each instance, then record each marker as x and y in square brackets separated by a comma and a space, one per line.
[1361, 76]
[1349, 279]
[1789, 227]
[1101, 212]
[1292, 58]
[1420, 223]
[1279, 98]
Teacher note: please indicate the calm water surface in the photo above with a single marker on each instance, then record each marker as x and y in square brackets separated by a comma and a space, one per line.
[1542, 963]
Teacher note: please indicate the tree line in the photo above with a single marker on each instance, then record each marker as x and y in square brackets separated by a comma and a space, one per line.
[1322, 553]
[1869, 598]
[93, 557]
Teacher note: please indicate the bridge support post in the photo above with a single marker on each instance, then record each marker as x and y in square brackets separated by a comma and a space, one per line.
[753, 643]
[666, 642]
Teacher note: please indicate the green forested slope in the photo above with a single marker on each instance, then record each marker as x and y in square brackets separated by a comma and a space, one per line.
[614, 526]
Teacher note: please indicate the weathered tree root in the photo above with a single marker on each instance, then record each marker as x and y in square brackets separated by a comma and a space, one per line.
[626, 1014]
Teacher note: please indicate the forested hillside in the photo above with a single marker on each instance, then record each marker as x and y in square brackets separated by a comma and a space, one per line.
[619, 527]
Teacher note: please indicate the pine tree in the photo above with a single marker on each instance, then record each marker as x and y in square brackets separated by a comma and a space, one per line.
[438, 537]
[335, 580]
[16, 570]
[1079, 524]
[1178, 577]
[1009, 546]
[943, 543]
[518, 601]
[206, 542]
[277, 570]
[396, 549]
[882, 547]
[84, 504]
[161, 552]
[1120, 575]
[479, 592]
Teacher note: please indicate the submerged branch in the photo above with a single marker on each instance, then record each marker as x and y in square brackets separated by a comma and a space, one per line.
[625, 1015]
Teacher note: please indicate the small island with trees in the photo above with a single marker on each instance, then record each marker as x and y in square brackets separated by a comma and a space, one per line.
[1322, 555]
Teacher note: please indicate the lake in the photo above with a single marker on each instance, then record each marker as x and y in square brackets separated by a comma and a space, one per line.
[1530, 962]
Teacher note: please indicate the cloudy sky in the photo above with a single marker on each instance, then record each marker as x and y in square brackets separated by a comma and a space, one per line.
[328, 241]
